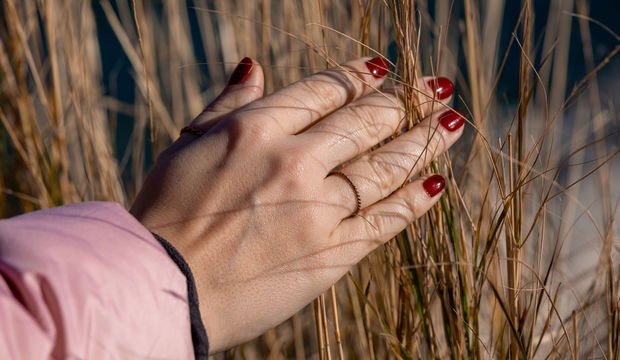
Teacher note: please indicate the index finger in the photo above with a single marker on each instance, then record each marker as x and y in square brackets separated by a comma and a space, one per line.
[299, 105]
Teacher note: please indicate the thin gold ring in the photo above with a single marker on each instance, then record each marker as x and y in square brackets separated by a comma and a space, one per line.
[192, 130]
[358, 198]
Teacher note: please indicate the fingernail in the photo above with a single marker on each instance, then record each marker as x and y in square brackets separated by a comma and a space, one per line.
[242, 71]
[378, 67]
[433, 185]
[451, 120]
[442, 87]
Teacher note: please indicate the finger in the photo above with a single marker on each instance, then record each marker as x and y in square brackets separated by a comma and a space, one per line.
[245, 85]
[299, 105]
[362, 124]
[382, 221]
[429, 93]
[379, 173]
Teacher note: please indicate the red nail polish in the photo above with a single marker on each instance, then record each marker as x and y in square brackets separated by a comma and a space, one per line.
[433, 185]
[451, 120]
[378, 67]
[242, 71]
[442, 87]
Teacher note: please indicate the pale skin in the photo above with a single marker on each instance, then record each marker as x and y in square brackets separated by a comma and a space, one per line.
[251, 204]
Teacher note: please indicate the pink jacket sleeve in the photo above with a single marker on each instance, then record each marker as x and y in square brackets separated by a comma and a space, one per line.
[89, 281]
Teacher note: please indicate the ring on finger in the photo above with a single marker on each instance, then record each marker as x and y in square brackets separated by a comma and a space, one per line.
[358, 198]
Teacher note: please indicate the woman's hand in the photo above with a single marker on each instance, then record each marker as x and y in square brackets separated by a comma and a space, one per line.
[254, 205]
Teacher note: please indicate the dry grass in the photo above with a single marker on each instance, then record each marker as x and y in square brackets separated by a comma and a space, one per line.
[519, 259]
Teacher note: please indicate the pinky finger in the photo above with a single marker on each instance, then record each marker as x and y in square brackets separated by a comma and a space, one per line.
[383, 220]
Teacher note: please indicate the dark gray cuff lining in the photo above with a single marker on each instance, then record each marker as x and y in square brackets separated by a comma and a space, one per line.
[199, 334]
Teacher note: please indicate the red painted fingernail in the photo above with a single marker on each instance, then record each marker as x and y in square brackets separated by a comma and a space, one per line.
[378, 67]
[433, 185]
[242, 71]
[442, 87]
[452, 120]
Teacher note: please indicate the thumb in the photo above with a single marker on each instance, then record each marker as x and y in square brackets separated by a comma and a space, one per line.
[245, 85]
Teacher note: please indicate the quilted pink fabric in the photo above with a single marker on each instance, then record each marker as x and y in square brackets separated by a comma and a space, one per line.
[88, 281]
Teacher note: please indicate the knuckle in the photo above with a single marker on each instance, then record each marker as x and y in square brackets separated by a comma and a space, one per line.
[366, 116]
[409, 204]
[325, 95]
[433, 134]
[377, 116]
[417, 161]
[434, 141]
[421, 150]
[375, 226]
[432, 145]
[381, 226]
[406, 203]
[249, 132]
[253, 92]
[388, 223]
[385, 170]
[291, 167]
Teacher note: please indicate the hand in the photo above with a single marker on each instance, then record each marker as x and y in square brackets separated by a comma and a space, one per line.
[255, 208]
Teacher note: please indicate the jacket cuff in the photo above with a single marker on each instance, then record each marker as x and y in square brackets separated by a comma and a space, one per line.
[199, 334]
